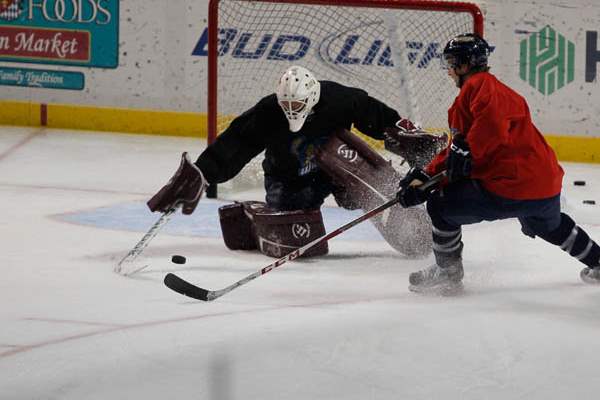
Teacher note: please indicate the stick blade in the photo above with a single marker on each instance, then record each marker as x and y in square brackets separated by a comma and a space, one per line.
[185, 288]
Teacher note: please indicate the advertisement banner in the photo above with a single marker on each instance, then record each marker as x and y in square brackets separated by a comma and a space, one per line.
[42, 79]
[65, 32]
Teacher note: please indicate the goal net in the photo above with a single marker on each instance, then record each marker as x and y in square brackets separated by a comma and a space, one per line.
[390, 48]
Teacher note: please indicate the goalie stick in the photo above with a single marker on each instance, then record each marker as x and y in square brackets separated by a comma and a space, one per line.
[185, 288]
[141, 245]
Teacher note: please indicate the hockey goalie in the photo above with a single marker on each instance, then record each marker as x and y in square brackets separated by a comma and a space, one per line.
[310, 153]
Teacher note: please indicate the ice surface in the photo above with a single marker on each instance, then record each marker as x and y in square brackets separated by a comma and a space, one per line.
[343, 326]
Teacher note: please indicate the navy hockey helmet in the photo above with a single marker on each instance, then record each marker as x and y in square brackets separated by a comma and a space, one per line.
[467, 48]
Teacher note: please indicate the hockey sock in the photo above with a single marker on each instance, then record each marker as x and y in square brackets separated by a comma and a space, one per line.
[447, 245]
[575, 241]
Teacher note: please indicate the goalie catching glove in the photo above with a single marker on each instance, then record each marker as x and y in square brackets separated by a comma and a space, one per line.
[412, 143]
[184, 189]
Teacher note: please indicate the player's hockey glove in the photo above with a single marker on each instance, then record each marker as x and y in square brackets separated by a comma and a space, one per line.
[184, 189]
[409, 194]
[459, 163]
[414, 177]
[412, 143]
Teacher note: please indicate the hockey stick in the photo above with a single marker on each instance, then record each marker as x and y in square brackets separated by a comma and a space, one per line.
[185, 288]
[141, 245]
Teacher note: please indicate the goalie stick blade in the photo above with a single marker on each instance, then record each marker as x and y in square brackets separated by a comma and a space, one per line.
[185, 288]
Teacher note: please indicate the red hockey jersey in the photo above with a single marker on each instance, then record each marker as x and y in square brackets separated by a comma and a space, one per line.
[510, 156]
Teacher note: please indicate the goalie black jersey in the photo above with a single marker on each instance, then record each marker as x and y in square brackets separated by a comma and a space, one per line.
[289, 155]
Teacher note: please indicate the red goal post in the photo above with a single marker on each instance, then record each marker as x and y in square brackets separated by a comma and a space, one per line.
[390, 48]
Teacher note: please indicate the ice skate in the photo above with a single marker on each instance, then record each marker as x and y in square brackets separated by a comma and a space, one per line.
[437, 280]
[590, 275]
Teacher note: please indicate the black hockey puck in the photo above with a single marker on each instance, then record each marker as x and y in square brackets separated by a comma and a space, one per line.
[589, 202]
[178, 259]
[579, 183]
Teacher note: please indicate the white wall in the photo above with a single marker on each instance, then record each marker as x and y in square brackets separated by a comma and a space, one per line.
[575, 108]
[157, 70]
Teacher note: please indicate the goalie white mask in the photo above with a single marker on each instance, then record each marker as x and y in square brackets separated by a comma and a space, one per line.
[297, 93]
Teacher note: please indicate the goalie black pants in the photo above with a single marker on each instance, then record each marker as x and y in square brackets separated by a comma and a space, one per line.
[297, 193]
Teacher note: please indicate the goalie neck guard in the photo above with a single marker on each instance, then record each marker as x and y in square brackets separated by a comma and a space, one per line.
[297, 93]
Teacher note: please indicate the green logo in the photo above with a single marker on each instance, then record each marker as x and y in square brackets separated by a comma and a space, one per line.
[547, 60]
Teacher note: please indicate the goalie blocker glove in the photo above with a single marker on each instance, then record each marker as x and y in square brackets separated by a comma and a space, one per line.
[184, 189]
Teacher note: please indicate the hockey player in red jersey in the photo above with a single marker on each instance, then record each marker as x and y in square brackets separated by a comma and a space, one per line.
[498, 166]
[304, 130]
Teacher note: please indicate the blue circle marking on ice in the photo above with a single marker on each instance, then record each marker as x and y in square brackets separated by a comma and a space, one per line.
[204, 222]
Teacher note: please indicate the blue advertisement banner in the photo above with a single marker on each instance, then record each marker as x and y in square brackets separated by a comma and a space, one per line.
[65, 32]
[41, 78]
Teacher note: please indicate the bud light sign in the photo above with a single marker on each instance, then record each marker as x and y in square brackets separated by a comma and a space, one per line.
[293, 47]
[66, 32]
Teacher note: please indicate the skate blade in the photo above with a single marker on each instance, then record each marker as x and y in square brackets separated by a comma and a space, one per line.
[446, 290]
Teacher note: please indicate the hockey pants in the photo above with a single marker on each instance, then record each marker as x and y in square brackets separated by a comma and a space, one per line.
[467, 202]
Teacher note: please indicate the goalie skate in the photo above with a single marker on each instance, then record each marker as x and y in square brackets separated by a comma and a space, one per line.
[438, 281]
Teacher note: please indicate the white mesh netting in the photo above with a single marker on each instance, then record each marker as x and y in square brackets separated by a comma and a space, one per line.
[392, 53]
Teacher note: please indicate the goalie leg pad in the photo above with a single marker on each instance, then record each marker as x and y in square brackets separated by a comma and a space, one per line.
[280, 232]
[407, 230]
[363, 178]
[253, 225]
[237, 226]
[366, 180]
